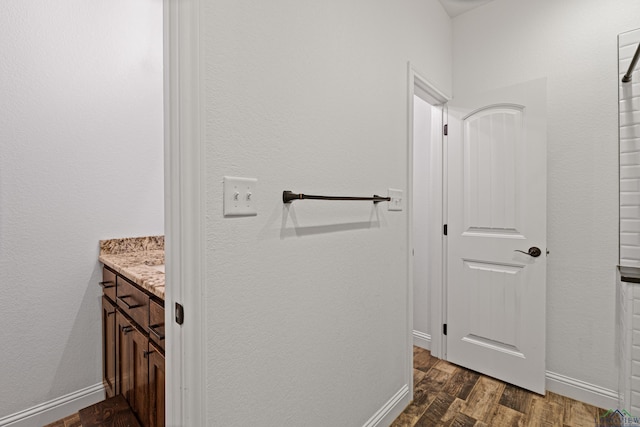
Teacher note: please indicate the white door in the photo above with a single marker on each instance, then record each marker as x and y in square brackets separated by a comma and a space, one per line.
[496, 207]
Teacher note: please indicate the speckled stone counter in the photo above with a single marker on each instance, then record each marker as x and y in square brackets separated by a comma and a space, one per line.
[134, 258]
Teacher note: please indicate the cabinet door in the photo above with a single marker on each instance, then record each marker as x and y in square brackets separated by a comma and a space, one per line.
[156, 387]
[124, 358]
[133, 367]
[139, 393]
[109, 377]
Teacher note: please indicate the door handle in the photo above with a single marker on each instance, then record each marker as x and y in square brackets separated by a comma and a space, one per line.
[533, 251]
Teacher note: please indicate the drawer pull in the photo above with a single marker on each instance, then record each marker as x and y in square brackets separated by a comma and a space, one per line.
[108, 284]
[147, 353]
[127, 329]
[129, 306]
[109, 313]
[152, 329]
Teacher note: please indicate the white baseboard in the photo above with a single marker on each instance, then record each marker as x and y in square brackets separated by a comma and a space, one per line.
[582, 391]
[422, 340]
[391, 409]
[53, 410]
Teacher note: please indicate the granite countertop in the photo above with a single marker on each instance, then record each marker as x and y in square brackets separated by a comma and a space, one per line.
[134, 259]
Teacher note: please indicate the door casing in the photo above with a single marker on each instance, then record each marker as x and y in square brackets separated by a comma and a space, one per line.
[185, 387]
[418, 85]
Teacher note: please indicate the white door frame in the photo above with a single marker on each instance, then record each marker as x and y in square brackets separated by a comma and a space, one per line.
[420, 86]
[184, 220]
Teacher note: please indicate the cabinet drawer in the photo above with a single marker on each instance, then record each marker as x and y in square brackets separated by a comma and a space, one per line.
[156, 323]
[109, 283]
[133, 302]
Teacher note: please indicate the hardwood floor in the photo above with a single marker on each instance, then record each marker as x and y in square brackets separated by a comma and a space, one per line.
[70, 421]
[446, 395]
[112, 412]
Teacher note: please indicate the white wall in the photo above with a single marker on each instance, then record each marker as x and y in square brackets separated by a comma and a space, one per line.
[573, 43]
[307, 314]
[81, 159]
[422, 207]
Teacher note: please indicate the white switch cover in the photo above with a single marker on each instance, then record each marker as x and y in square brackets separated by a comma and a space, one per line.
[395, 204]
[239, 196]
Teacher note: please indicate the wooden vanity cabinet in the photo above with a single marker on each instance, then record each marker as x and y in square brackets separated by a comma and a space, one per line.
[133, 301]
[109, 284]
[156, 324]
[137, 370]
[134, 369]
[109, 347]
[156, 386]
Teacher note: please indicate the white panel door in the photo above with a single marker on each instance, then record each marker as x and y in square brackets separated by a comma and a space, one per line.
[497, 207]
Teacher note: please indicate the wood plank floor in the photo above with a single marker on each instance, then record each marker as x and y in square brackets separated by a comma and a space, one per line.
[70, 421]
[446, 395]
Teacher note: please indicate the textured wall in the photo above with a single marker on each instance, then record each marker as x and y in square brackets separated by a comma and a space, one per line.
[573, 44]
[81, 159]
[307, 305]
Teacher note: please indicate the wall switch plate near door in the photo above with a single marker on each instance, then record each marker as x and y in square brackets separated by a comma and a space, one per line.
[239, 196]
[395, 204]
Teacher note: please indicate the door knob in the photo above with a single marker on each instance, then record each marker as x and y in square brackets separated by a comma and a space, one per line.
[533, 251]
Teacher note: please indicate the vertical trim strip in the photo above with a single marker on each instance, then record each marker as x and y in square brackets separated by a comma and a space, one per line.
[184, 245]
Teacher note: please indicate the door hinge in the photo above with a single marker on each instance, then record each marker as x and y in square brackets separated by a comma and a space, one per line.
[445, 230]
[444, 329]
[446, 129]
[179, 314]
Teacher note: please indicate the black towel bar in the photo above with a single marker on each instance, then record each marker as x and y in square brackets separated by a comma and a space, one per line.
[288, 197]
[632, 66]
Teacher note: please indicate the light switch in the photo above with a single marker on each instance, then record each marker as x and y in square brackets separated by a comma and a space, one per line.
[239, 196]
[395, 204]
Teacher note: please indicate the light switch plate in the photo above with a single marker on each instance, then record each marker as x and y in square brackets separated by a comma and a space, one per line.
[395, 204]
[239, 196]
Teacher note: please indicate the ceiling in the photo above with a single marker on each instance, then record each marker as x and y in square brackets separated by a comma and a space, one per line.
[458, 7]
